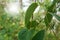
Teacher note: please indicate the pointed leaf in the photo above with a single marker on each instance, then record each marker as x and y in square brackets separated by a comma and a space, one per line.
[39, 35]
[29, 12]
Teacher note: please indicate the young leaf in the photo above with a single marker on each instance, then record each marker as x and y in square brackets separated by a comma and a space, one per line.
[48, 19]
[39, 35]
[29, 12]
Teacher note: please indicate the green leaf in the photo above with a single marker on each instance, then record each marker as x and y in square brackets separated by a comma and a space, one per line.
[52, 7]
[22, 34]
[30, 34]
[48, 19]
[56, 16]
[25, 34]
[32, 24]
[29, 12]
[39, 35]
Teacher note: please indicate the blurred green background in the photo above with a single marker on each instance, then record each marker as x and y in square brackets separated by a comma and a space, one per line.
[12, 16]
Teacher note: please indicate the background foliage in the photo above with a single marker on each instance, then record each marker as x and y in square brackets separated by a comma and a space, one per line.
[32, 26]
